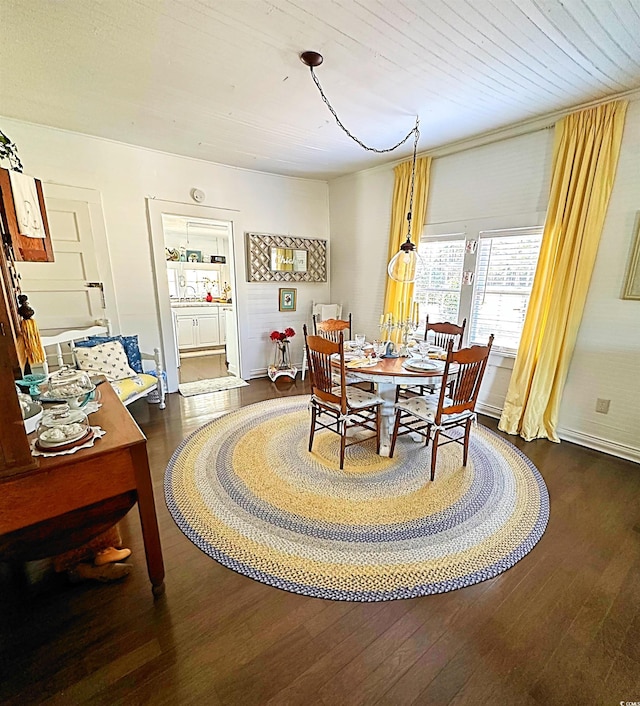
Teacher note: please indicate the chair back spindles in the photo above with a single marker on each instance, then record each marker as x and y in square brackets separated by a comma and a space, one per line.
[467, 368]
[444, 331]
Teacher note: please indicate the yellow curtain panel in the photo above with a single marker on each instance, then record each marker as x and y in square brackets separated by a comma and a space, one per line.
[398, 292]
[587, 145]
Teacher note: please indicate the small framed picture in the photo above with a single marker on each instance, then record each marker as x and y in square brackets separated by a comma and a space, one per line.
[287, 299]
[194, 255]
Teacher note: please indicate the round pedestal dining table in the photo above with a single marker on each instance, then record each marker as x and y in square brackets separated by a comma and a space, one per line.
[387, 374]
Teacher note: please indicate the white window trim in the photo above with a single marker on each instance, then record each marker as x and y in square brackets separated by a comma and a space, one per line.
[471, 228]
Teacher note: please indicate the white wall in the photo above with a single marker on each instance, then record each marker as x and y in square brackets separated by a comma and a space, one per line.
[127, 175]
[511, 178]
[360, 221]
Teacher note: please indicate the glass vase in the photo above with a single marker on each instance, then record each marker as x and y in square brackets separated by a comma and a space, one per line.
[282, 359]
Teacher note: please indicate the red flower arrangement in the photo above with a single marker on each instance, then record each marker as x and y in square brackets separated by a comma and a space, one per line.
[282, 335]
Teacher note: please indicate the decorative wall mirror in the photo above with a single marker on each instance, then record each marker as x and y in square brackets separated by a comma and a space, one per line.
[283, 258]
[288, 260]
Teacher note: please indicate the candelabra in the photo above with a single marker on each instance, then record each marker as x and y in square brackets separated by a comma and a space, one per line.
[404, 327]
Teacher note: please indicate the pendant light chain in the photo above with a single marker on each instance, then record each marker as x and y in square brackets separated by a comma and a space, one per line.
[403, 265]
[416, 137]
[351, 135]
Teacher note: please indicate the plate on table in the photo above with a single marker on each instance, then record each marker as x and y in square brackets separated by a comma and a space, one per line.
[347, 356]
[360, 363]
[419, 365]
[43, 445]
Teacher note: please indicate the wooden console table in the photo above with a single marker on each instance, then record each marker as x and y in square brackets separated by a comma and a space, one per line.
[80, 495]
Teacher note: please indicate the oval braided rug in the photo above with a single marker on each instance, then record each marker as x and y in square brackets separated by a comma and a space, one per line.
[245, 490]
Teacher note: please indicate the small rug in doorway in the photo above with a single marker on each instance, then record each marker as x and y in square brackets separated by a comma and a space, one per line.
[246, 491]
[200, 387]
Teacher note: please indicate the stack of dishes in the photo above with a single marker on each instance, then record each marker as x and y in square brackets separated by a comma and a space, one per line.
[63, 428]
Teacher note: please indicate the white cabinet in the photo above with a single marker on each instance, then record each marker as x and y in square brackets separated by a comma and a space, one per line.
[185, 331]
[208, 331]
[199, 327]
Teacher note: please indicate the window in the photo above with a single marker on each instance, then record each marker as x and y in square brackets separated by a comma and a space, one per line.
[190, 283]
[496, 297]
[505, 268]
[438, 283]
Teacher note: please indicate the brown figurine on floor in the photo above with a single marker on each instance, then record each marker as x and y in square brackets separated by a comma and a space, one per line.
[98, 560]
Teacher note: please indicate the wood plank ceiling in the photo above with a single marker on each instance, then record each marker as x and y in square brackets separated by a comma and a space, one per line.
[221, 80]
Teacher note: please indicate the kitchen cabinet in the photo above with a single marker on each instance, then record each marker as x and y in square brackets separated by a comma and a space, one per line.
[199, 327]
[185, 331]
[208, 330]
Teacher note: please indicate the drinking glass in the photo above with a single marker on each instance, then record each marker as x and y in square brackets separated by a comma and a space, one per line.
[360, 339]
[380, 348]
[423, 347]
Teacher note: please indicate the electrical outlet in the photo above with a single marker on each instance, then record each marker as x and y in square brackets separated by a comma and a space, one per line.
[602, 406]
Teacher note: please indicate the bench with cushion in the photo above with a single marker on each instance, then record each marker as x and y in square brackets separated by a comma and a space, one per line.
[118, 357]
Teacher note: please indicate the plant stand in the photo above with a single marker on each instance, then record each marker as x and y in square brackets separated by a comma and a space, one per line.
[282, 362]
[274, 373]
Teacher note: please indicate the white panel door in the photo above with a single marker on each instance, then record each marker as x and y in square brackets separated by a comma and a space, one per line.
[58, 291]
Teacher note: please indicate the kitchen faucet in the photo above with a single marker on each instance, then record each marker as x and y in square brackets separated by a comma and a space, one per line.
[195, 293]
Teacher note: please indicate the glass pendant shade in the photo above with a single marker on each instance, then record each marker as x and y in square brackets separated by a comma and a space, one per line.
[403, 266]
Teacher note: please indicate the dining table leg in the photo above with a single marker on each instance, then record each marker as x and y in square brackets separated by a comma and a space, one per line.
[387, 391]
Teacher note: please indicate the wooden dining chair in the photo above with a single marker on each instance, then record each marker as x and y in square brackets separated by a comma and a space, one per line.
[443, 332]
[320, 312]
[346, 407]
[331, 328]
[442, 411]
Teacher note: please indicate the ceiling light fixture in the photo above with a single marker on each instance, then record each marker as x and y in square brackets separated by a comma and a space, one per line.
[403, 266]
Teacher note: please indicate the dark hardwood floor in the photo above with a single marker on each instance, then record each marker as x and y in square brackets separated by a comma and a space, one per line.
[560, 627]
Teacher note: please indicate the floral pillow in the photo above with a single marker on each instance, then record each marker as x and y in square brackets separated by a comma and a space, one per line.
[108, 359]
[129, 343]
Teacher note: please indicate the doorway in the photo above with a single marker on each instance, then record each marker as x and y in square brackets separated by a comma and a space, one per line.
[193, 251]
[197, 252]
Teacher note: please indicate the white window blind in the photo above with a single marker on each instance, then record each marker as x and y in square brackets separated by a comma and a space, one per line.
[438, 280]
[505, 267]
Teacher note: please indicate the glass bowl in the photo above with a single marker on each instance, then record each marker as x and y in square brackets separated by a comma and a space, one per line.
[61, 425]
[33, 382]
[68, 385]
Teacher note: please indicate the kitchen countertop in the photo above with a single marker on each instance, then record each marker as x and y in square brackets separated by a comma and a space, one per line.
[191, 305]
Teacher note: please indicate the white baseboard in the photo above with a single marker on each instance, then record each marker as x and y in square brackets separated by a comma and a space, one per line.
[489, 409]
[613, 448]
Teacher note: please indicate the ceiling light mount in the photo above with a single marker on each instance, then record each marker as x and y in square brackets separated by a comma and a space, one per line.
[311, 58]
